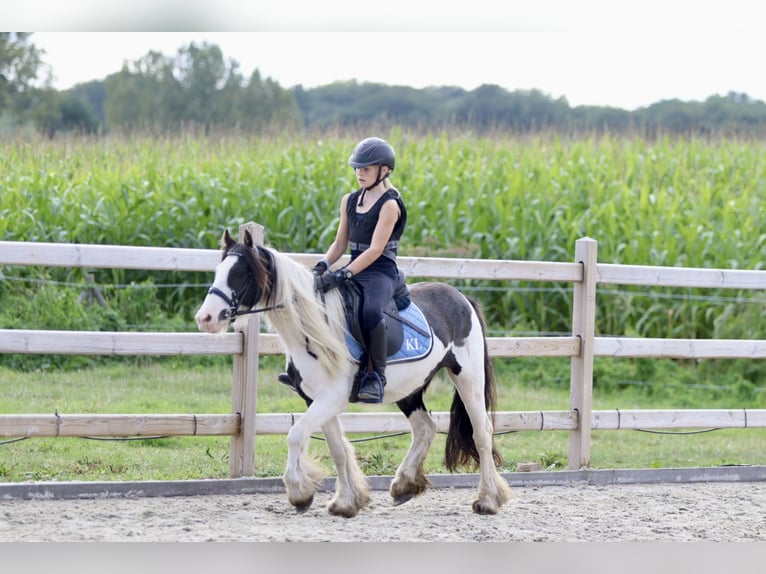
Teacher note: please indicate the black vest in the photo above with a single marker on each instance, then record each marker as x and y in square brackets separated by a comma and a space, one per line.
[361, 226]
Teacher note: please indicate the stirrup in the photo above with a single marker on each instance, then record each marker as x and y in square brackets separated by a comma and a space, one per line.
[355, 386]
[371, 389]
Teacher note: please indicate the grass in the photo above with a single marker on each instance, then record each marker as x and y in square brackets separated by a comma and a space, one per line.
[174, 387]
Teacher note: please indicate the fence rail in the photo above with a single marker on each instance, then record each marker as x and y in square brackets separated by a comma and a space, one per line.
[246, 345]
[128, 425]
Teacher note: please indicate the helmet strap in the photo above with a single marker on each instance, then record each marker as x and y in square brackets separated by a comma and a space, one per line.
[377, 181]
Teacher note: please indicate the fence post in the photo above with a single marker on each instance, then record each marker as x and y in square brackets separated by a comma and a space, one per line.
[581, 377]
[245, 388]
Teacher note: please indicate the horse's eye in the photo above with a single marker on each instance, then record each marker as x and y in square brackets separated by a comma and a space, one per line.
[237, 277]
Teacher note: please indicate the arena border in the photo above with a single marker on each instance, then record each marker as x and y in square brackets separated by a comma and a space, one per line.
[237, 486]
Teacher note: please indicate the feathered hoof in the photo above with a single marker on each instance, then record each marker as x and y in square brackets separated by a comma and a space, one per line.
[484, 507]
[402, 498]
[301, 507]
[342, 510]
[403, 490]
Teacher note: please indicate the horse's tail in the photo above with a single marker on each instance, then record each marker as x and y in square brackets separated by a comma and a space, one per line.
[460, 448]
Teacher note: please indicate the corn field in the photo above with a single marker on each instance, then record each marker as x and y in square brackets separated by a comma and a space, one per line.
[675, 202]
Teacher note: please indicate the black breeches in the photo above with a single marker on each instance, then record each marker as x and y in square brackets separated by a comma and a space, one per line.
[377, 292]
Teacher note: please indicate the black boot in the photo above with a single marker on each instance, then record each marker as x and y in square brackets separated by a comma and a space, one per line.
[372, 384]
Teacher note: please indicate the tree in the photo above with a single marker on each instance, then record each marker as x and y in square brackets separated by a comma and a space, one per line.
[197, 88]
[77, 114]
[144, 94]
[128, 103]
[204, 73]
[21, 66]
[94, 93]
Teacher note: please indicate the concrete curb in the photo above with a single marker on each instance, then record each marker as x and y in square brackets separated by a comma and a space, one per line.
[139, 489]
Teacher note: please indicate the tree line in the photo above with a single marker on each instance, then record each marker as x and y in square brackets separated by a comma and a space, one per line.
[200, 88]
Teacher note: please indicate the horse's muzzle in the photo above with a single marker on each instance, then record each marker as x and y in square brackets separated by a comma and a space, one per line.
[209, 322]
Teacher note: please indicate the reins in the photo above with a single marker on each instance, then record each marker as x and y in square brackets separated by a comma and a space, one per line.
[233, 302]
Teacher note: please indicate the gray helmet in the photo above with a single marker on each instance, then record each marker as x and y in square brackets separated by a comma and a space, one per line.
[373, 151]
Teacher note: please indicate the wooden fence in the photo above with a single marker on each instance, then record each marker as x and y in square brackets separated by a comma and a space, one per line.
[246, 345]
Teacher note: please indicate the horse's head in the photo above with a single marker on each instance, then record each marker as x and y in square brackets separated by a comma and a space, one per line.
[242, 280]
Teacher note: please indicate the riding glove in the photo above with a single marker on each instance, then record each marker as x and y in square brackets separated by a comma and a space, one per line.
[320, 267]
[332, 280]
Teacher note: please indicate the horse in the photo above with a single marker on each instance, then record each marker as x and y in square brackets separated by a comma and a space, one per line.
[254, 278]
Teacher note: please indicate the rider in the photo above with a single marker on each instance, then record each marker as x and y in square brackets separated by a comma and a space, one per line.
[372, 220]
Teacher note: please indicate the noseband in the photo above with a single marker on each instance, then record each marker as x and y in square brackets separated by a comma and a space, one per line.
[235, 299]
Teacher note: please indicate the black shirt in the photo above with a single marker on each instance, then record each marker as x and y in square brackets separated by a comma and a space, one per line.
[361, 227]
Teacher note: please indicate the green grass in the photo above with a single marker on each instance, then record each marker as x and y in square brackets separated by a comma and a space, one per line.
[174, 387]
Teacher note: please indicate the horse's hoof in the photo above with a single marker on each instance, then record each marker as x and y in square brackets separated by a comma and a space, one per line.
[302, 507]
[402, 498]
[342, 511]
[405, 490]
[480, 507]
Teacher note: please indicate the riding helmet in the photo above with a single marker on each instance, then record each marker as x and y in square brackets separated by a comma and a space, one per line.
[373, 151]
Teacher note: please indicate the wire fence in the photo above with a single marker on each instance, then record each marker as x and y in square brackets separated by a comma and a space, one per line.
[712, 299]
[654, 294]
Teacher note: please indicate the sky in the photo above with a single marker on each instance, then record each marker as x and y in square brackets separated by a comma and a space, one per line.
[620, 53]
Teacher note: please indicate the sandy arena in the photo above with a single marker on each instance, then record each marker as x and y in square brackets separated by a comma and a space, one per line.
[722, 511]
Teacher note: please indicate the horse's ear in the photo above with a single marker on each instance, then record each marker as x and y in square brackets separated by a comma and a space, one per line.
[248, 239]
[227, 240]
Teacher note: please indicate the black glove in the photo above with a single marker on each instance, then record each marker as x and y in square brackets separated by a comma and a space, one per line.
[320, 267]
[332, 280]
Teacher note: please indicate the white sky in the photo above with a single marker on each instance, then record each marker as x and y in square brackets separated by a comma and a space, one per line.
[601, 52]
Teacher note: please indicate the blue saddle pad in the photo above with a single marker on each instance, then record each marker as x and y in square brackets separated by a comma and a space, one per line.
[414, 346]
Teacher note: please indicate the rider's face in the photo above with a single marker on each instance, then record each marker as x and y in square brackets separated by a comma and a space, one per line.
[367, 175]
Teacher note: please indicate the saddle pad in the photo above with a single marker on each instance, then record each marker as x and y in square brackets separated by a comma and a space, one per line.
[415, 345]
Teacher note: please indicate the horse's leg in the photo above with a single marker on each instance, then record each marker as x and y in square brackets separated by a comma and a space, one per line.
[410, 479]
[351, 487]
[302, 475]
[493, 490]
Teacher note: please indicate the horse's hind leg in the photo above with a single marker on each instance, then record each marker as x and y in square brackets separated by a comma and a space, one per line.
[410, 479]
[493, 490]
[351, 488]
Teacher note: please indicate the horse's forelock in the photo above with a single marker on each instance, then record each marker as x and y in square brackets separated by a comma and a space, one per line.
[257, 260]
[264, 270]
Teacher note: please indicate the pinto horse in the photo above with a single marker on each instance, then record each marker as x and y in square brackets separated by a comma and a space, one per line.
[313, 329]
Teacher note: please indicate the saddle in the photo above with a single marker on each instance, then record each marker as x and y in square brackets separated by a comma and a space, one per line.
[409, 336]
[352, 300]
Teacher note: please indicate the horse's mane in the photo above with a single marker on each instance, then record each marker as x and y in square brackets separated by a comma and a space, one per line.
[305, 320]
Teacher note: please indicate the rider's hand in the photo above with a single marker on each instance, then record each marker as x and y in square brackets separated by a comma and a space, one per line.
[321, 267]
[332, 280]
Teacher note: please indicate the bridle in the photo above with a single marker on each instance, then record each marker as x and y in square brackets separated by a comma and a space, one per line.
[235, 299]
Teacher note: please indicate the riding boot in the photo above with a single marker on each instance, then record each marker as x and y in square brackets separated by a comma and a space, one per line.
[372, 384]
